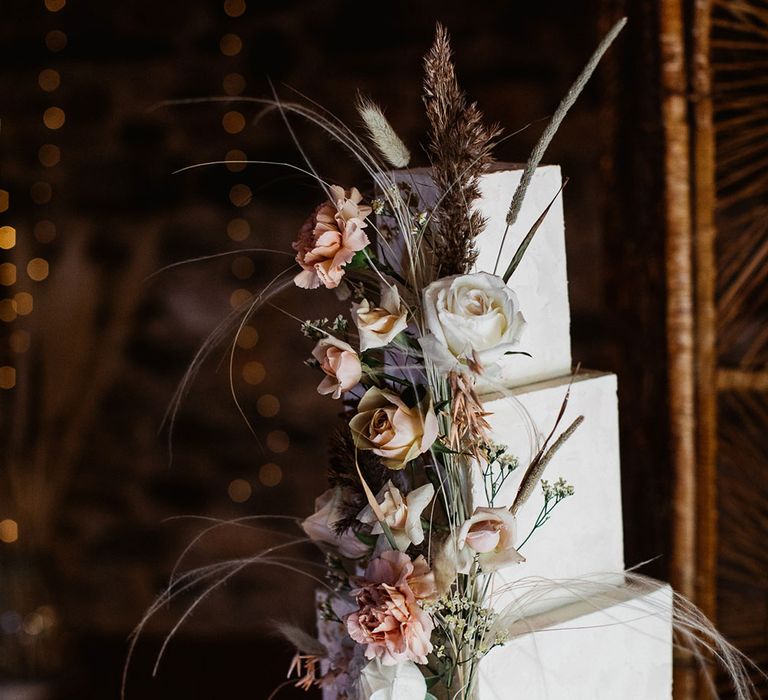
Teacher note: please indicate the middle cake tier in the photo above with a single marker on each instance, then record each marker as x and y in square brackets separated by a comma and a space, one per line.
[583, 537]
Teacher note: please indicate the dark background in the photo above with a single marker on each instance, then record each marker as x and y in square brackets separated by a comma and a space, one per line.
[111, 194]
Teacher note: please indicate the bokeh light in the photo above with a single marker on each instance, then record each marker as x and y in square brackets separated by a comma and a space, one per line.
[41, 192]
[239, 297]
[243, 267]
[268, 406]
[19, 341]
[238, 229]
[55, 40]
[49, 79]
[24, 303]
[247, 338]
[7, 274]
[54, 117]
[37, 269]
[240, 195]
[7, 237]
[234, 8]
[233, 84]
[49, 155]
[254, 372]
[231, 44]
[278, 441]
[7, 378]
[270, 474]
[239, 490]
[9, 529]
[233, 157]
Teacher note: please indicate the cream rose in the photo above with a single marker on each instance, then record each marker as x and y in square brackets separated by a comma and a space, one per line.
[379, 325]
[472, 320]
[401, 682]
[396, 432]
[341, 366]
[403, 515]
[320, 526]
[489, 534]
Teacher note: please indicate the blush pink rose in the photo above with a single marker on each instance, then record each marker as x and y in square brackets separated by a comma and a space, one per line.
[490, 534]
[390, 621]
[341, 366]
[330, 238]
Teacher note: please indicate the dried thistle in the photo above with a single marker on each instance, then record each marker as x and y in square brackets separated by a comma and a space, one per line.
[469, 427]
[460, 148]
[382, 134]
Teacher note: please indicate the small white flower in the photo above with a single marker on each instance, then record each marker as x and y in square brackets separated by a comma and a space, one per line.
[472, 321]
[403, 681]
[403, 515]
[379, 325]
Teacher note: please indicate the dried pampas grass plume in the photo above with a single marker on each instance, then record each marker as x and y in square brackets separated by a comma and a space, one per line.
[389, 144]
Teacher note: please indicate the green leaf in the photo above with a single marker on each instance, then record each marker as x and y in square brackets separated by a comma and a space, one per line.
[520, 252]
[359, 260]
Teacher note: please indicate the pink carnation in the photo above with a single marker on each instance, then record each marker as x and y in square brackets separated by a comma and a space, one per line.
[330, 238]
[390, 621]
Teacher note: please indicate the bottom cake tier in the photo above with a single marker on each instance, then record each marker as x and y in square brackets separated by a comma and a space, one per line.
[614, 645]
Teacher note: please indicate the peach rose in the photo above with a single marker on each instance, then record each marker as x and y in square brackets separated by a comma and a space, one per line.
[341, 366]
[320, 527]
[389, 619]
[379, 325]
[330, 238]
[393, 430]
[489, 533]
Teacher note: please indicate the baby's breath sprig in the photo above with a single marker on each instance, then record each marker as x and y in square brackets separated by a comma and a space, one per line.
[499, 466]
[553, 494]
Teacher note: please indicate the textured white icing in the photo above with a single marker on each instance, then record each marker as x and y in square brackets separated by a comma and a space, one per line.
[584, 651]
[584, 535]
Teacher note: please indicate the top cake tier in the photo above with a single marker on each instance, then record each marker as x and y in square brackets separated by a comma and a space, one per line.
[541, 280]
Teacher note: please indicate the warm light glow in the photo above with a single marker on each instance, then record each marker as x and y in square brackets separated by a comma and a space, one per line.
[247, 338]
[7, 237]
[240, 195]
[254, 372]
[243, 268]
[9, 529]
[34, 624]
[7, 379]
[239, 490]
[24, 303]
[270, 474]
[49, 79]
[54, 117]
[4, 200]
[41, 193]
[238, 229]
[55, 40]
[230, 45]
[37, 269]
[233, 122]
[8, 310]
[233, 84]
[49, 155]
[233, 157]
[45, 231]
[19, 341]
[239, 297]
[278, 441]
[234, 8]
[268, 405]
[7, 274]
[55, 5]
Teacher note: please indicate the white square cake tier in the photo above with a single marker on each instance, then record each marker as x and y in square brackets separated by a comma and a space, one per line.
[584, 535]
[541, 280]
[613, 646]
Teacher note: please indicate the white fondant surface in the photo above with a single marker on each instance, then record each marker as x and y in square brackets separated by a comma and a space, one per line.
[586, 651]
[584, 534]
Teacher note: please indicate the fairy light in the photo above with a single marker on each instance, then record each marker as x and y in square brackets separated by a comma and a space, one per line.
[247, 338]
[7, 377]
[54, 118]
[278, 441]
[268, 405]
[240, 195]
[37, 269]
[9, 529]
[239, 297]
[24, 303]
[7, 274]
[7, 237]
[238, 229]
[254, 372]
[239, 490]
[270, 474]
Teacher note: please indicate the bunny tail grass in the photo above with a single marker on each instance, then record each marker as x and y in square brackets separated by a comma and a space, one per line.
[389, 144]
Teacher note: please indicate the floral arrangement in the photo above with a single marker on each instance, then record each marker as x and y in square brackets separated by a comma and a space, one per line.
[411, 551]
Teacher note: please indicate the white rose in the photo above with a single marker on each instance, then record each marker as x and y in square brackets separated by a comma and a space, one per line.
[472, 319]
[379, 325]
[320, 526]
[403, 515]
[403, 681]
